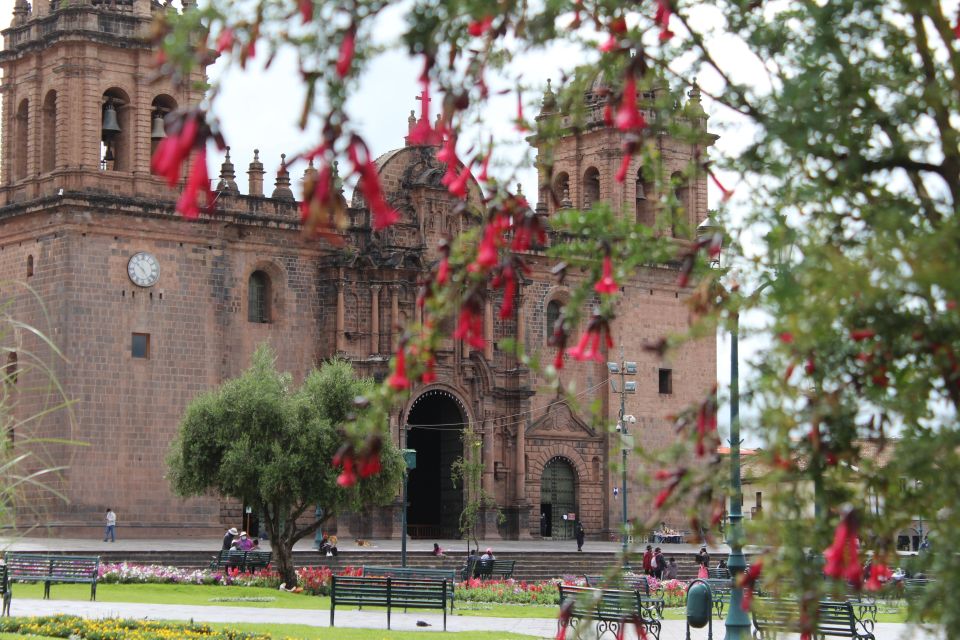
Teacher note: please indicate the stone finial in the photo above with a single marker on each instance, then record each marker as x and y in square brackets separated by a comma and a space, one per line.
[310, 172]
[335, 177]
[519, 190]
[255, 175]
[694, 108]
[281, 189]
[21, 12]
[548, 104]
[228, 182]
[411, 121]
[565, 201]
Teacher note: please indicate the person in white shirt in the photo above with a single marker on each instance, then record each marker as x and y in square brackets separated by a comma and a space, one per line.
[109, 532]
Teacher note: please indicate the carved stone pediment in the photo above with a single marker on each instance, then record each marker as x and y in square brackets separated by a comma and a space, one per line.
[560, 420]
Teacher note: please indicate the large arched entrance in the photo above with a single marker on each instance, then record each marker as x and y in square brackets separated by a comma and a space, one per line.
[435, 428]
[558, 498]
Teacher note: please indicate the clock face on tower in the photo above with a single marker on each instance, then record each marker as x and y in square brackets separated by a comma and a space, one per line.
[143, 269]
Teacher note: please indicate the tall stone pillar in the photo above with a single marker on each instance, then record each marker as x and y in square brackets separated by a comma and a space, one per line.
[341, 312]
[375, 319]
[394, 315]
[488, 329]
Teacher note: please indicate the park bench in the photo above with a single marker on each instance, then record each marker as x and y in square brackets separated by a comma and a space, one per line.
[500, 568]
[27, 567]
[242, 560]
[634, 582]
[415, 573]
[864, 606]
[469, 568]
[915, 588]
[390, 593]
[611, 609]
[834, 619]
[720, 590]
[718, 573]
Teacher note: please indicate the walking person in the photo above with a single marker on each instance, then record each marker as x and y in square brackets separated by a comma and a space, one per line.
[579, 532]
[109, 531]
[647, 558]
[658, 563]
[671, 571]
[703, 559]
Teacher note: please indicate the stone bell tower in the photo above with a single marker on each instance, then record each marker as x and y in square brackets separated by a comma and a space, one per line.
[82, 111]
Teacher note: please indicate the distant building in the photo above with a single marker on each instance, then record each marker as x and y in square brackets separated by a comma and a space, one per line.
[151, 309]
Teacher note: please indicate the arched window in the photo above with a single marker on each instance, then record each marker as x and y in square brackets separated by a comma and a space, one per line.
[553, 315]
[116, 131]
[681, 190]
[48, 157]
[646, 215]
[21, 148]
[258, 297]
[591, 187]
[159, 108]
[29, 266]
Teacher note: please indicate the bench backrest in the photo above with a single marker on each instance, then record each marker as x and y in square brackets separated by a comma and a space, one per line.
[258, 557]
[633, 582]
[833, 618]
[604, 604]
[718, 573]
[24, 565]
[417, 573]
[394, 592]
[719, 587]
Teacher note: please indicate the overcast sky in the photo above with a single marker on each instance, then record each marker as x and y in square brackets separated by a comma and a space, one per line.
[260, 110]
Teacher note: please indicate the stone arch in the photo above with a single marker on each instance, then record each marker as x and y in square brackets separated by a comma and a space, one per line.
[271, 277]
[116, 147]
[560, 296]
[558, 450]
[21, 148]
[48, 134]
[560, 491]
[561, 188]
[591, 187]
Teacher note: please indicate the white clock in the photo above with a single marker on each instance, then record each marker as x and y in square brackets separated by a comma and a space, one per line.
[143, 269]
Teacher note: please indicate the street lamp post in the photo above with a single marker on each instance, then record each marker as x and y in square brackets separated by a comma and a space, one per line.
[624, 369]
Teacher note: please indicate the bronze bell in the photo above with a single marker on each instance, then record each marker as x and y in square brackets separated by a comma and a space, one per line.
[109, 157]
[159, 130]
[110, 124]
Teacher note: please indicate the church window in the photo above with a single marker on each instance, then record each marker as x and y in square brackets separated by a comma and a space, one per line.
[666, 381]
[21, 150]
[553, 315]
[591, 187]
[29, 266]
[258, 298]
[48, 159]
[140, 345]
[644, 198]
[681, 190]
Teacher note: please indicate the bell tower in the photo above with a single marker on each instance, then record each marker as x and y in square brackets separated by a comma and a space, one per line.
[82, 111]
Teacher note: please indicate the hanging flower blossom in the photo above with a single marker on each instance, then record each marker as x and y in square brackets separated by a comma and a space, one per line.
[368, 462]
[174, 150]
[344, 458]
[528, 227]
[306, 10]
[590, 345]
[662, 19]
[399, 381]
[675, 477]
[429, 374]
[558, 339]
[347, 49]
[477, 28]
[369, 184]
[880, 574]
[860, 335]
[470, 322]
[483, 176]
[423, 132]
[748, 581]
[617, 27]
[628, 116]
[225, 40]
[606, 283]
[563, 620]
[197, 182]
[487, 253]
[843, 556]
[521, 124]
[726, 194]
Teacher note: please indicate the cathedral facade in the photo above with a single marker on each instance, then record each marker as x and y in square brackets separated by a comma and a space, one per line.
[149, 309]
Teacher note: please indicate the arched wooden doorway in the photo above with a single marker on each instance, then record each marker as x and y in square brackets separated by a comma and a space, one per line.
[558, 498]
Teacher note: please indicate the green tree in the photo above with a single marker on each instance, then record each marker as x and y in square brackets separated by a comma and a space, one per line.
[468, 470]
[257, 439]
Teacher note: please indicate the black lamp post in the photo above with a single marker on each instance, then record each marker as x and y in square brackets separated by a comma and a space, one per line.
[626, 386]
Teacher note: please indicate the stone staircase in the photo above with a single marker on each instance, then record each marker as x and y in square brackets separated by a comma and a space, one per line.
[531, 565]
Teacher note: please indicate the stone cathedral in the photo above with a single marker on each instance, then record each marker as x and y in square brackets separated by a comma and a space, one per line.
[150, 309]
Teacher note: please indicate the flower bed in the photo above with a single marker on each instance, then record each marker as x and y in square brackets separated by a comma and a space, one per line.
[116, 629]
[314, 580]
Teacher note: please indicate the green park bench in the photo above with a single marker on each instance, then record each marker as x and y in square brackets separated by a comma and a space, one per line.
[391, 593]
[718, 573]
[720, 591]
[415, 573]
[611, 609]
[834, 619]
[634, 582]
[28, 567]
[242, 560]
[487, 569]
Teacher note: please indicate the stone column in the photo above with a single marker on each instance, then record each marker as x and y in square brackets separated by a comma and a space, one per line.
[394, 315]
[488, 329]
[488, 465]
[375, 319]
[340, 347]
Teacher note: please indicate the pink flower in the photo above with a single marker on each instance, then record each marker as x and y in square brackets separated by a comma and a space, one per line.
[843, 556]
[879, 574]
[470, 322]
[487, 254]
[662, 19]
[606, 283]
[383, 214]
[306, 10]
[628, 117]
[197, 182]
[347, 48]
[477, 28]
[398, 381]
[224, 41]
[348, 476]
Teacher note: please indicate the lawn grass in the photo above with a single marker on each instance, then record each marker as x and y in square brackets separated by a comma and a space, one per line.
[306, 632]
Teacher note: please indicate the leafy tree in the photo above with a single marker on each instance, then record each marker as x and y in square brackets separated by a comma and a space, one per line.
[468, 470]
[257, 439]
[849, 157]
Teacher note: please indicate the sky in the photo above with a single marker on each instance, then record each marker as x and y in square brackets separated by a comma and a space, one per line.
[259, 110]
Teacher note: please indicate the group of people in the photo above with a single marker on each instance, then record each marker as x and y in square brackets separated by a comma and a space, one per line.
[656, 565]
[234, 540]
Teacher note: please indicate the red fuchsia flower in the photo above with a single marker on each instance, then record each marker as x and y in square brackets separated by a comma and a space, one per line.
[477, 28]
[470, 322]
[843, 556]
[485, 163]
[662, 19]
[197, 182]
[347, 49]
[810, 366]
[607, 283]
[521, 121]
[786, 337]
[487, 253]
[789, 372]
[443, 271]
[348, 476]
[593, 339]
[383, 214]
[173, 150]
[559, 340]
[369, 460]
[628, 117]
[862, 334]
[306, 10]
[640, 626]
[617, 27]
[706, 423]
[528, 227]
[458, 186]
[675, 477]
[748, 580]
[563, 620]
[880, 574]
[956, 28]
[726, 194]
[608, 114]
[429, 374]
[224, 40]
[625, 159]
[399, 381]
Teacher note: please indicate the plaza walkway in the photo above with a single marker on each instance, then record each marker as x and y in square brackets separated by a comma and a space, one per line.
[539, 628]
